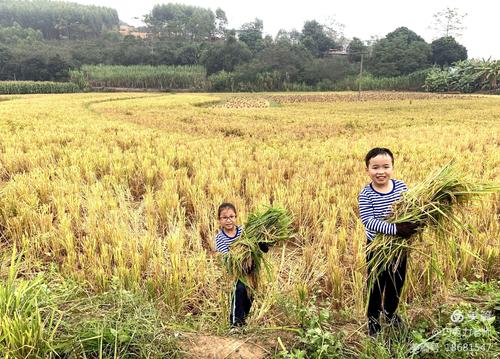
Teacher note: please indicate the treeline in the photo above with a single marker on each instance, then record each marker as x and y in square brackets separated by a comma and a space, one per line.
[58, 20]
[42, 40]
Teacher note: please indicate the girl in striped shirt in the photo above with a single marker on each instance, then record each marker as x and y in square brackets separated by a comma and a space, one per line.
[375, 202]
[241, 301]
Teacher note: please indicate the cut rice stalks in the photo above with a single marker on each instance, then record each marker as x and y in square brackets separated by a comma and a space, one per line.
[245, 258]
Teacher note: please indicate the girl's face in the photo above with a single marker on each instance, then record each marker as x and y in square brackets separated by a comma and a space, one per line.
[227, 219]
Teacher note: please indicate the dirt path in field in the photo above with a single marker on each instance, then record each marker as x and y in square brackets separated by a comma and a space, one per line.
[213, 347]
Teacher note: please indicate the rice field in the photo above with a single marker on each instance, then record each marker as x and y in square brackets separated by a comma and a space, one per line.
[117, 193]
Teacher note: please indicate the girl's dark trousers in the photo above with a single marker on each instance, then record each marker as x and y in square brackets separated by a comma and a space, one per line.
[387, 288]
[241, 303]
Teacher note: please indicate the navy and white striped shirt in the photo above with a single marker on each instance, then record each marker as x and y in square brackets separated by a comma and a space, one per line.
[223, 241]
[375, 207]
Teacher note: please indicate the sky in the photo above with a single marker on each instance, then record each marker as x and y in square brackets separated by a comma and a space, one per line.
[362, 19]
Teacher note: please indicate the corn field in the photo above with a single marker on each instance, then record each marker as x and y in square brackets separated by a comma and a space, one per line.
[36, 87]
[121, 191]
[145, 76]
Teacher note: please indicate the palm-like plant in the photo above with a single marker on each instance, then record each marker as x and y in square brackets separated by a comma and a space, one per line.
[489, 72]
[465, 76]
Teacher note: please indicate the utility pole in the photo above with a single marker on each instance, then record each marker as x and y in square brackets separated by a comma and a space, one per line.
[360, 76]
[344, 53]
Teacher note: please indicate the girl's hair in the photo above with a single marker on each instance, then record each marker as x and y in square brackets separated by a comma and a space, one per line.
[374, 152]
[225, 205]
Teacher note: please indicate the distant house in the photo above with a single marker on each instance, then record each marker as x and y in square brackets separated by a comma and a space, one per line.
[335, 52]
[130, 30]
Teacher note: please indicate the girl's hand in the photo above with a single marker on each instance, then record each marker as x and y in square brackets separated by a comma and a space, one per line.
[247, 265]
[264, 247]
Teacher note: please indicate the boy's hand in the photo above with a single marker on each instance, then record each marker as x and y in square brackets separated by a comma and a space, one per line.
[264, 247]
[406, 229]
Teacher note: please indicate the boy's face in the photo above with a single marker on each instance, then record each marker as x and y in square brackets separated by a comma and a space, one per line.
[380, 169]
[227, 219]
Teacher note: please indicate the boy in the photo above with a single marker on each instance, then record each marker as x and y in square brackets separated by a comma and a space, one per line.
[375, 202]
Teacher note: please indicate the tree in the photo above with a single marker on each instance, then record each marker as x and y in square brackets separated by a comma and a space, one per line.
[5, 57]
[181, 22]
[449, 22]
[165, 53]
[315, 39]
[58, 68]
[354, 49]
[58, 20]
[16, 34]
[328, 70]
[251, 34]
[446, 51]
[102, 50]
[286, 59]
[335, 30]
[187, 55]
[225, 56]
[288, 37]
[131, 51]
[220, 24]
[401, 52]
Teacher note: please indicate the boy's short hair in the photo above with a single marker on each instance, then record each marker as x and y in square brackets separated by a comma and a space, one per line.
[225, 205]
[374, 152]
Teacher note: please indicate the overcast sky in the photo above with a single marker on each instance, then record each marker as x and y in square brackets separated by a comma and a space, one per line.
[362, 19]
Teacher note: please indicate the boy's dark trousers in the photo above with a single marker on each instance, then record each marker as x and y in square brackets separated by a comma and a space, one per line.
[240, 304]
[389, 284]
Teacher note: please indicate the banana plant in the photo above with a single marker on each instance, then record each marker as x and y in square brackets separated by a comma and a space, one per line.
[489, 72]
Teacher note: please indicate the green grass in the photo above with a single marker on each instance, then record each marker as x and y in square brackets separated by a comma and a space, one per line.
[47, 316]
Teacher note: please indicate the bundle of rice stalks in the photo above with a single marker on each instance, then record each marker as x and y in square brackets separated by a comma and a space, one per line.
[434, 204]
[245, 258]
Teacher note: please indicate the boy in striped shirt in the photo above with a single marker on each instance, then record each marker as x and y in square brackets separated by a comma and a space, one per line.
[375, 202]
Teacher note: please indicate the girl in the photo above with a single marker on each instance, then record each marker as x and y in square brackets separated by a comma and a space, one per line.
[241, 301]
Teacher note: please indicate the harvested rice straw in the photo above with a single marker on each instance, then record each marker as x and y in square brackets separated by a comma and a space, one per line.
[245, 259]
[432, 203]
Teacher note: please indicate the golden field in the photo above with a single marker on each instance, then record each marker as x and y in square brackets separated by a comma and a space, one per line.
[122, 190]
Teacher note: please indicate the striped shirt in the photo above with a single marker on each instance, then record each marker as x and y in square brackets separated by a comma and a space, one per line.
[223, 241]
[375, 207]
